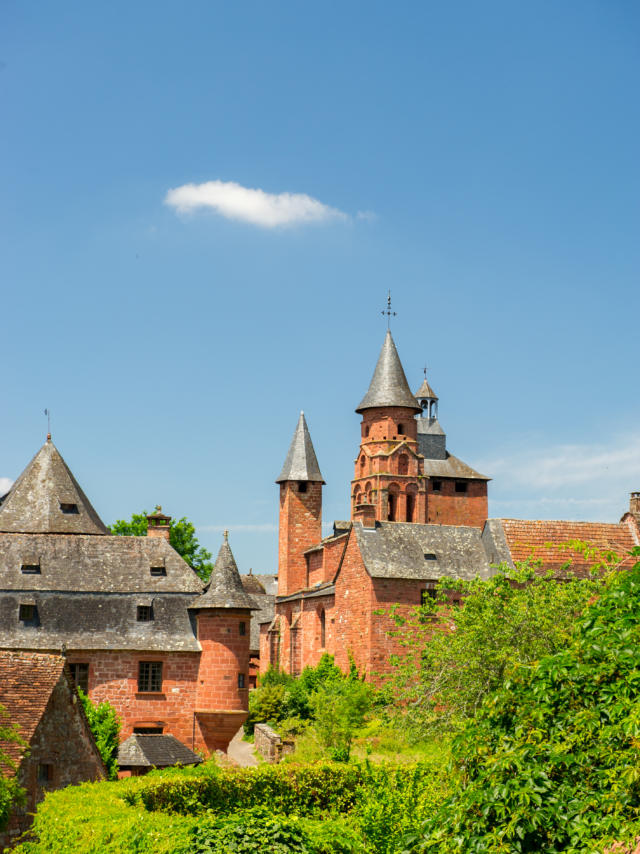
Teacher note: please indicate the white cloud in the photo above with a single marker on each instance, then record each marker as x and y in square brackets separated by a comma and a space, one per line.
[268, 210]
[590, 481]
[5, 485]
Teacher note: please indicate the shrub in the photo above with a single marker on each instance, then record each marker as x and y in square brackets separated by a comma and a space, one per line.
[339, 707]
[105, 726]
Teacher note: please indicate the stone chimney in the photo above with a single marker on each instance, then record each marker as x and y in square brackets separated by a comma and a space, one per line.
[365, 513]
[634, 506]
[159, 524]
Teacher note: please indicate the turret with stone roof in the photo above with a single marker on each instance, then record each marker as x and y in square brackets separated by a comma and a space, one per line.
[223, 614]
[300, 523]
[388, 483]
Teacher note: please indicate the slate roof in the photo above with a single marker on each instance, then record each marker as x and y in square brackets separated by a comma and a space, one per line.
[267, 604]
[397, 550]
[301, 462]
[252, 584]
[430, 426]
[33, 504]
[389, 386]
[97, 621]
[155, 751]
[27, 680]
[451, 467]
[520, 539]
[225, 588]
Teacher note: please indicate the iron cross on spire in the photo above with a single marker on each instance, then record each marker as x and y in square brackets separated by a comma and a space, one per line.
[388, 311]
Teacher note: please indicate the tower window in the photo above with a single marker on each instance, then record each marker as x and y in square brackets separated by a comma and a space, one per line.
[30, 569]
[144, 613]
[150, 676]
[401, 429]
[436, 485]
[403, 464]
[302, 486]
[69, 509]
[80, 675]
[461, 486]
[242, 628]
[240, 680]
[366, 431]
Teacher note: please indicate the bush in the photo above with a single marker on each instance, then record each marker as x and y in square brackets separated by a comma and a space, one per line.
[552, 762]
[339, 707]
[105, 726]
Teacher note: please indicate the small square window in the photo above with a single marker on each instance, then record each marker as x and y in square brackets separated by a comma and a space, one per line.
[144, 613]
[242, 627]
[80, 675]
[240, 680]
[302, 486]
[150, 676]
[30, 569]
[45, 774]
[158, 570]
[430, 556]
[69, 509]
[28, 614]
[461, 486]
[436, 485]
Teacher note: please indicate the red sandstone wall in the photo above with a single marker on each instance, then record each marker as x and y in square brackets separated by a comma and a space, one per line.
[451, 508]
[315, 563]
[353, 602]
[333, 552]
[300, 527]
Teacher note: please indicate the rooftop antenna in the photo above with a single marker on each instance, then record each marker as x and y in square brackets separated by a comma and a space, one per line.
[388, 311]
[47, 412]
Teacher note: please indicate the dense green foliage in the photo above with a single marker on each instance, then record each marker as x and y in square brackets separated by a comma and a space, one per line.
[317, 809]
[182, 536]
[10, 791]
[105, 726]
[552, 761]
[455, 658]
[323, 697]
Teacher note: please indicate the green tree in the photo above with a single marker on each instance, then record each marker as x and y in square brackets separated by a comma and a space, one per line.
[182, 536]
[10, 791]
[105, 726]
[455, 657]
[339, 708]
[552, 761]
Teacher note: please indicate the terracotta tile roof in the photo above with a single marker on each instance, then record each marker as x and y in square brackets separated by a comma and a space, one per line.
[548, 541]
[27, 680]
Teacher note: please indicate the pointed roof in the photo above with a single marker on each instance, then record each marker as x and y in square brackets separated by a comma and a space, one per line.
[425, 390]
[301, 462]
[389, 386]
[225, 588]
[47, 499]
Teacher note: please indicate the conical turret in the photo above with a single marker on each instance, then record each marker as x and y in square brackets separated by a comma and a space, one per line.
[389, 386]
[301, 462]
[225, 588]
[47, 499]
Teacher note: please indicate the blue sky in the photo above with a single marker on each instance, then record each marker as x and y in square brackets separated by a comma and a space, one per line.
[479, 159]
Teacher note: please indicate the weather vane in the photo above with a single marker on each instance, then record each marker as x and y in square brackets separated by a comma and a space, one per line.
[388, 311]
[425, 372]
[47, 412]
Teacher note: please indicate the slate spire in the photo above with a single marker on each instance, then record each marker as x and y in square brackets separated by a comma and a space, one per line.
[225, 588]
[301, 462]
[47, 499]
[389, 386]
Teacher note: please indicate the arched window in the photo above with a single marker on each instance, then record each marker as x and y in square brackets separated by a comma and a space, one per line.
[362, 461]
[366, 431]
[392, 514]
[356, 496]
[323, 637]
[411, 503]
[403, 464]
[367, 491]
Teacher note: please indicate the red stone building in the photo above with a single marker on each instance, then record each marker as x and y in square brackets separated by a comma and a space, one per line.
[139, 628]
[418, 514]
[38, 694]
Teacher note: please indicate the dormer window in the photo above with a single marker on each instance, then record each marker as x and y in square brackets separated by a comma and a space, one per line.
[28, 614]
[144, 613]
[158, 571]
[69, 509]
[30, 569]
[430, 556]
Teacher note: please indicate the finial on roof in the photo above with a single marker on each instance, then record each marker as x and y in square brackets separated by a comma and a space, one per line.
[301, 462]
[388, 311]
[226, 534]
[48, 437]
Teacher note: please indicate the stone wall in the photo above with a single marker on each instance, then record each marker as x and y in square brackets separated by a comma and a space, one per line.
[270, 745]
